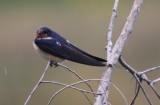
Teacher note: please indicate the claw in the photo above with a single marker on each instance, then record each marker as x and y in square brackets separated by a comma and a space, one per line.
[52, 63]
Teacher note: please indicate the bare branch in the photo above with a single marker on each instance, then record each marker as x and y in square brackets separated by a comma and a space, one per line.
[155, 90]
[144, 92]
[72, 71]
[139, 76]
[67, 86]
[38, 83]
[69, 69]
[126, 102]
[71, 85]
[110, 29]
[116, 52]
[156, 80]
[149, 70]
[136, 94]
[79, 89]
[104, 86]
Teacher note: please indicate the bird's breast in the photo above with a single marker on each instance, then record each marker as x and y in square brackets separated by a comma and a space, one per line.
[46, 55]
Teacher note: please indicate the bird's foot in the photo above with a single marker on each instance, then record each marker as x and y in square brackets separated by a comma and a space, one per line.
[52, 63]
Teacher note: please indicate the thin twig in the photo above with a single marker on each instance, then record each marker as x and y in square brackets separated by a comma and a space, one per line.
[38, 83]
[104, 86]
[97, 93]
[156, 80]
[110, 29]
[75, 73]
[109, 38]
[136, 94]
[82, 90]
[140, 76]
[144, 92]
[126, 102]
[155, 90]
[137, 76]
[149, 70]
[72, 86]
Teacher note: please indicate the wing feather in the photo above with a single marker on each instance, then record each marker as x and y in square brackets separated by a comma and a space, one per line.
[68, 51]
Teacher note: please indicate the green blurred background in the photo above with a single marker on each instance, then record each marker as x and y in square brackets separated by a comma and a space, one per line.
[84, 23]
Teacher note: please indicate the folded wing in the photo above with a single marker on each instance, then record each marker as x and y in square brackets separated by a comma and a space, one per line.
[68, 51]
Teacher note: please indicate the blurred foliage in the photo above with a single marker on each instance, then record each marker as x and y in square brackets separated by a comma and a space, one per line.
[84, 23]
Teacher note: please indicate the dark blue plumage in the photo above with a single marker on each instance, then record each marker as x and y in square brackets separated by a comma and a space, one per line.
[54, 47]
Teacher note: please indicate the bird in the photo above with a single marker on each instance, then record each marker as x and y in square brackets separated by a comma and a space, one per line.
[55, 48]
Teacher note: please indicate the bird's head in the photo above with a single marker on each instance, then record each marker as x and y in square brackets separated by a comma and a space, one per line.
[43, 32]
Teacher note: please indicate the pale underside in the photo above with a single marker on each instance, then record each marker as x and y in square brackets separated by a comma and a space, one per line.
[47, 56]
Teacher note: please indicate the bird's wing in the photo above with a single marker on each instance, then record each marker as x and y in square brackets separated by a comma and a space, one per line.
[49, 46]
[68, 51]
[73, 54]
[87, 54]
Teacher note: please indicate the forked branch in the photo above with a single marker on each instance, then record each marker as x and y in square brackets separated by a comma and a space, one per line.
[116, 51]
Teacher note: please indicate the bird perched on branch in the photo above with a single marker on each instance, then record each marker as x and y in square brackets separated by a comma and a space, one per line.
[55, 48]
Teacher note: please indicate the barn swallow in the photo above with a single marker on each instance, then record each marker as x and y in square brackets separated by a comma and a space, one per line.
[55, 48]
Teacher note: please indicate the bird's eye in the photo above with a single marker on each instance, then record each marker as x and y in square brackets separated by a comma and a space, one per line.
[44, 32]
[41, 34]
